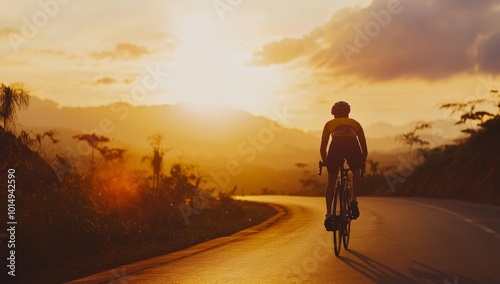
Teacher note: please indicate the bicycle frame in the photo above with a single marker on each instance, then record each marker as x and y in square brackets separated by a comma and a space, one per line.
[341, 209]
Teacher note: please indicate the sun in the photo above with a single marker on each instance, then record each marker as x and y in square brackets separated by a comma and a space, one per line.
[206, 70]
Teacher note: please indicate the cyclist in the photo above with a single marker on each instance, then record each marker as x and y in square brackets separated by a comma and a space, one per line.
[349, 143]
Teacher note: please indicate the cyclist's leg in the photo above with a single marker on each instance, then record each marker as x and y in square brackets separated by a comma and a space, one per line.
[354, 209]
[356, 176]
[330, 189]
[334, 160]
[354, 159]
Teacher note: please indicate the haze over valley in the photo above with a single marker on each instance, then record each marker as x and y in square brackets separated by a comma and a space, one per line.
[211, 137]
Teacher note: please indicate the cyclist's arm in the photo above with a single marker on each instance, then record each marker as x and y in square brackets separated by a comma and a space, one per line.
[322, 150]
[362, 142]
[324, 143]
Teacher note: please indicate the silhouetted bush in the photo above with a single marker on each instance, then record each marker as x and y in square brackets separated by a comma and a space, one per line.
[468, 171]
[110, 211]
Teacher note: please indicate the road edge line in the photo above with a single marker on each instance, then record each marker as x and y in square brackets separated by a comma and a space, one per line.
[458, 215]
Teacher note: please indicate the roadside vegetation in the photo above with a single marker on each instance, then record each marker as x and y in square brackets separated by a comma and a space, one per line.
[468, 169]
[78, 216]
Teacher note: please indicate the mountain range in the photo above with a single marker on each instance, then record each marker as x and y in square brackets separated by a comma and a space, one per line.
[211, 137]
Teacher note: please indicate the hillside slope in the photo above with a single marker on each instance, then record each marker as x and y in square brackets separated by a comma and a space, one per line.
[469, 171]
[26, 163]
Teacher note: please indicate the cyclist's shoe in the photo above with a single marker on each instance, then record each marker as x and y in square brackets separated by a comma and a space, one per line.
[336, 222]
[354, 210]
[329, 222]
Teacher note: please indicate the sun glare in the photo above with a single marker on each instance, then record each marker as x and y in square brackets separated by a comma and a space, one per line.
[118, 187]
[206, 71]
[203, 70]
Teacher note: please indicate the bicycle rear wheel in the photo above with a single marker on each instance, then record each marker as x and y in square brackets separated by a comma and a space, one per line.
[347, 217]
[337, 222]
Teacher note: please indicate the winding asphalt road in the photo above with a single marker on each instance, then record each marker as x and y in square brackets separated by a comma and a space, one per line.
[396, 240]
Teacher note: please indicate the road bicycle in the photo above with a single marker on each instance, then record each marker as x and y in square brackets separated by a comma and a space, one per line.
[341, 223]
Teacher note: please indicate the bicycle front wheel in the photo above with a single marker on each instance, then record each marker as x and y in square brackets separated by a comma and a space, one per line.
[338, 230]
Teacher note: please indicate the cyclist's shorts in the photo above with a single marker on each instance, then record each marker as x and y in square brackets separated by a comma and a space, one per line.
[344, 147]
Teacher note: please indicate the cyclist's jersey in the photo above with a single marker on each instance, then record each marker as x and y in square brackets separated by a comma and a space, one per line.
[342, 126]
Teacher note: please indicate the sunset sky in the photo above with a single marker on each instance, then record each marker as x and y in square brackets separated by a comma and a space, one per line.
[393, 61]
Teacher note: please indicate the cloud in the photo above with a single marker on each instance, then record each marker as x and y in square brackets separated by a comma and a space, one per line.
[280, 52]
[489, 54]
[427, 39]
[124, 51]
[55, 52]
[110, 81]
[5, 32]
[128, 80]
[104, 81]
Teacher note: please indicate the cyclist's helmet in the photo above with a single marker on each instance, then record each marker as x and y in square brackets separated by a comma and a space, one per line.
[341, 109]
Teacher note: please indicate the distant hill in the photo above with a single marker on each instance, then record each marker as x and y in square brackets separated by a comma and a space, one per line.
[445, 128]
[195, 129]
[219, 129]
[212, 138]
[468, 171]
[207, 136]
[381, 136]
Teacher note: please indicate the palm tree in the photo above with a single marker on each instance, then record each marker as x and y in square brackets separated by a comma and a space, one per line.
[156, 159]
[94, 140]
[373, 166]
[12, 97]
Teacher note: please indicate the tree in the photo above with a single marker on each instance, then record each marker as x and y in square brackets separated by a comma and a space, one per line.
[309, 181]
[12, 97]
[35, 141]
[25, 138]
[94, 142]
[183, 181]
[373, 166]
[233, 191]
[111, 154]
[470, 114]
[156, 158]
[51, 134]
[411, 138]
